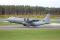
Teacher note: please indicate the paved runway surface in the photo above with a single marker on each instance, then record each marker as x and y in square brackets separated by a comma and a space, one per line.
[47, 26]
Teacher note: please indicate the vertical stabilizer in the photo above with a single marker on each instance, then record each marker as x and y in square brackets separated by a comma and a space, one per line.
[47, 19]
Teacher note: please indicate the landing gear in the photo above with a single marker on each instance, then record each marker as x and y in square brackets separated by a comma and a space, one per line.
[26, 25]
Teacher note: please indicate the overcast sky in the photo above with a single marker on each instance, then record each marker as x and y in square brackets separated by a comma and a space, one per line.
[44, 3]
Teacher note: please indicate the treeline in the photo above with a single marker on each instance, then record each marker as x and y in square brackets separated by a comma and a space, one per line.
[25, 10]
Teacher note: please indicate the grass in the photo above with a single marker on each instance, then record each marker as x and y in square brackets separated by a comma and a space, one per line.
[6, 23]
[29, 16]
[41, 34]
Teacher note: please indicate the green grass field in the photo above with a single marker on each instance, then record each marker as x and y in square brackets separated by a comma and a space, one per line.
[40, 34]
[6, 23]
[29, 16]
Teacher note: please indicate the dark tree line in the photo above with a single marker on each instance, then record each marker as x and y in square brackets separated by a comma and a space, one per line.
[24, 10]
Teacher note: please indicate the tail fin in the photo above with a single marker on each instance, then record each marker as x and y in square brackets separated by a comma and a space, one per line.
[47, 19]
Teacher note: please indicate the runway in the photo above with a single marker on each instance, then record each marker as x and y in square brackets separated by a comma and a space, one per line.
[46, 26]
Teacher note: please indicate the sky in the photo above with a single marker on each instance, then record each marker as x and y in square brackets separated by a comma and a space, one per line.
[44, 3]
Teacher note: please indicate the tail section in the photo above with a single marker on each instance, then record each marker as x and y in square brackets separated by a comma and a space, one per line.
[47, 19]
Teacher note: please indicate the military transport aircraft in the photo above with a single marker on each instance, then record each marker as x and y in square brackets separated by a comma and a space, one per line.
[28, 22]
